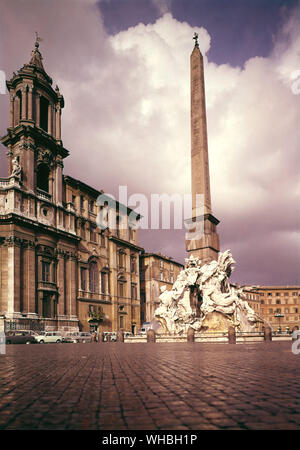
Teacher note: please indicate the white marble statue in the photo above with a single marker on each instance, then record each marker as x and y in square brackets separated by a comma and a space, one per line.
[201, 289]
[16, 169]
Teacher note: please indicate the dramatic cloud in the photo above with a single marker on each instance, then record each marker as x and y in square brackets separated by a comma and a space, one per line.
[126, 122]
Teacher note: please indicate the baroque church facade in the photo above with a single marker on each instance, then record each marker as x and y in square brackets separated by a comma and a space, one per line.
[58, 270]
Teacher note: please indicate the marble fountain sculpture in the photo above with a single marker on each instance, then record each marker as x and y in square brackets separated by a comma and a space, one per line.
[202, 298]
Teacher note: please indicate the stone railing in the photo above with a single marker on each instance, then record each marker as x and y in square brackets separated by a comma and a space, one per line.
[4, 182]
[43, 195]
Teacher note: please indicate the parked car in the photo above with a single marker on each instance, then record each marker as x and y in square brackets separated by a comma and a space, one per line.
[145, 327]
[109, 336]
[127, 334]
[49, 337]
[19, 337]
[78, 337]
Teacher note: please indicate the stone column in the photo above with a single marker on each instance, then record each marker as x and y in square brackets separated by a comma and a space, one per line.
[50, 118]
[37, 109]
[67, 286]
[24, 103]
[30, 277]
[51, 183]
[73, 288]
[9, 155]
[12, 111]
[28, 166]
[58, 123]
[30, 103]
[58, 182]
[16, 111]
[40, 303]
[13, 276]
[53, 127]
[60, 280]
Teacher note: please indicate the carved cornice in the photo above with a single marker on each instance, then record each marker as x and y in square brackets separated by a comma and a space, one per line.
[15, 241]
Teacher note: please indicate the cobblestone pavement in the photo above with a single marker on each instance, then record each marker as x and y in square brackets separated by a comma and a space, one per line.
[116, 386]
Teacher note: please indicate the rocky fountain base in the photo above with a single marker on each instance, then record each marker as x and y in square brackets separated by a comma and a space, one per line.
[203, 299]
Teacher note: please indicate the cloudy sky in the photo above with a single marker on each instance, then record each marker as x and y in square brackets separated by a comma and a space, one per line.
[123, 68]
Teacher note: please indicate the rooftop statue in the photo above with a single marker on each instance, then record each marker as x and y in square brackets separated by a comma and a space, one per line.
[203, 298]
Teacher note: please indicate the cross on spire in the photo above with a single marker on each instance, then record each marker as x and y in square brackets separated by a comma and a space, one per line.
[37, 39]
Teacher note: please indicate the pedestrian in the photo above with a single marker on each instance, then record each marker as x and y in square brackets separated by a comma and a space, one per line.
[295, 333]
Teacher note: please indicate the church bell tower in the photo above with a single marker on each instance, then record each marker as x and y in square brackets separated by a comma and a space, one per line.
[35, 150]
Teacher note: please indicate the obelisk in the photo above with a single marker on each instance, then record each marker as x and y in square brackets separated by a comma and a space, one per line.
[202, 241]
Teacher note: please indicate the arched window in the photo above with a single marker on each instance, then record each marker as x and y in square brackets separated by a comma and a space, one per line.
[93, 277]
[44, 113]
[19, 111]
[42, 178]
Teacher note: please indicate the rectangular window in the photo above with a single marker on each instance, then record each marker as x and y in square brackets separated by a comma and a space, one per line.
[103, 282]
[121, 259]
[161, 275]
[121, 289]
[103, 243]
[83, 278]
[121, 321]
[118, 224]
[91, 206]
[81, 201]
[133, 264]
[93, 233]
[45, 271]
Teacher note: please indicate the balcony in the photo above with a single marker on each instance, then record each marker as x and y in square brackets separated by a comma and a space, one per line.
[43, 195]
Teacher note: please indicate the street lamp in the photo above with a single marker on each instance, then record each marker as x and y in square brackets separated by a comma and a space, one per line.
[279, 315]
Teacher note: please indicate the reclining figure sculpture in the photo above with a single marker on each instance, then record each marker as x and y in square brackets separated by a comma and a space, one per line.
[201, 296]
